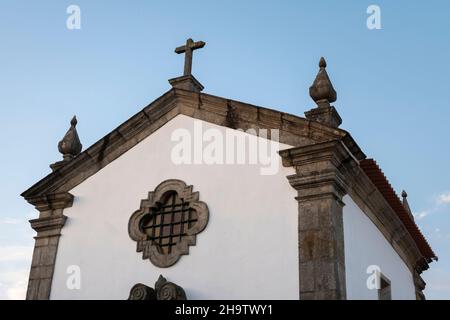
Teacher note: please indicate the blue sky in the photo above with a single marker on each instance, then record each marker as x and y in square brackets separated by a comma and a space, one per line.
[392, 85]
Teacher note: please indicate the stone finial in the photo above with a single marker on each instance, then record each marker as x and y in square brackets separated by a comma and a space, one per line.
[322, 91]
[70, 145]
[406, 204]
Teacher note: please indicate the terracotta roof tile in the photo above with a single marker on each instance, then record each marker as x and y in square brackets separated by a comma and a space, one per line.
[376, 175]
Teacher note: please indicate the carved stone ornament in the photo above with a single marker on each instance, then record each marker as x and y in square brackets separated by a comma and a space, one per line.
[142, 292]
[322, 91]
[168, 222]
[70, 145]
[164, 290]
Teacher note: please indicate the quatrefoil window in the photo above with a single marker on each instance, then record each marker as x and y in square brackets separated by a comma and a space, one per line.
[168, 222]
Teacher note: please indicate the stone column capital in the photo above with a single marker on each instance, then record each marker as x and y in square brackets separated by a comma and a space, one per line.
[333, 152]
[51, 201]
[321, 169]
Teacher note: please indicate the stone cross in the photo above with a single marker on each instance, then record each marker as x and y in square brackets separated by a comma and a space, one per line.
[188, 48]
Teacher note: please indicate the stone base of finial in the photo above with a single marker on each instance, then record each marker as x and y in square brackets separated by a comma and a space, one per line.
[325, 114]
[188, 83]
[55, 166]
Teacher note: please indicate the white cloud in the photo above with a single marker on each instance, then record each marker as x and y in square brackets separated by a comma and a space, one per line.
[443, 198]
[8, 220]
[438, 234]
[15, 264]
[13, 284]
[440, 201]
[21, 220]
[438, 284]
[15, 253]
[422, 214]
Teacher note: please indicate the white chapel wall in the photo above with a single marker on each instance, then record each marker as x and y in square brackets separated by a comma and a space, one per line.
[365, 245]
[249, 249]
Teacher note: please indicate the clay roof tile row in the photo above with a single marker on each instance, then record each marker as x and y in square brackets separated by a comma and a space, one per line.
[376, 175]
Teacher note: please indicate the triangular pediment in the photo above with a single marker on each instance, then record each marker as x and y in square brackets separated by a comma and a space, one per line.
[293, 130]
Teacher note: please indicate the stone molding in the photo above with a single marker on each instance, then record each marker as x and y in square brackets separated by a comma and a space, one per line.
[48, 227]
[293, 131]
[149, 249]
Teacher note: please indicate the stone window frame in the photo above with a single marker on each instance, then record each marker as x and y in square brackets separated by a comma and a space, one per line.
[149, 249]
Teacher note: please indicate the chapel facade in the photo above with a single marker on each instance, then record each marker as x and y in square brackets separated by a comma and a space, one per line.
[299, 213]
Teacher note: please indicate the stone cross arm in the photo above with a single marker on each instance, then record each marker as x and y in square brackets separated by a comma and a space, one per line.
[188, 49]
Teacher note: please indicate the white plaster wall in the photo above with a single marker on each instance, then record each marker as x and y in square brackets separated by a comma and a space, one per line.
[365, 245]
[247, 251]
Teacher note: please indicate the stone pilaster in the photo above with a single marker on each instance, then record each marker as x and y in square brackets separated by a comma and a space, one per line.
[320, 182]
[48, 227]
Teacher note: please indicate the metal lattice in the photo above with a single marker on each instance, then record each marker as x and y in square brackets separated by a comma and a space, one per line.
[168, 222]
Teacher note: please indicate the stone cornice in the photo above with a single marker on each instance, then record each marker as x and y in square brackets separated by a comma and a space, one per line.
[320, 172]
[333, 150]
[51, 201]
[293, 131]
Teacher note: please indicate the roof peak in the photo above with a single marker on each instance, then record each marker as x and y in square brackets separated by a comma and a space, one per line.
[206, 107]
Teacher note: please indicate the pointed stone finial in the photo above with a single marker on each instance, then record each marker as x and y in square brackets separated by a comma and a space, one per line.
[74, 121]
[323, 93]
[70, 145]
[404, 195]
[322, 63]
[406, 204]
